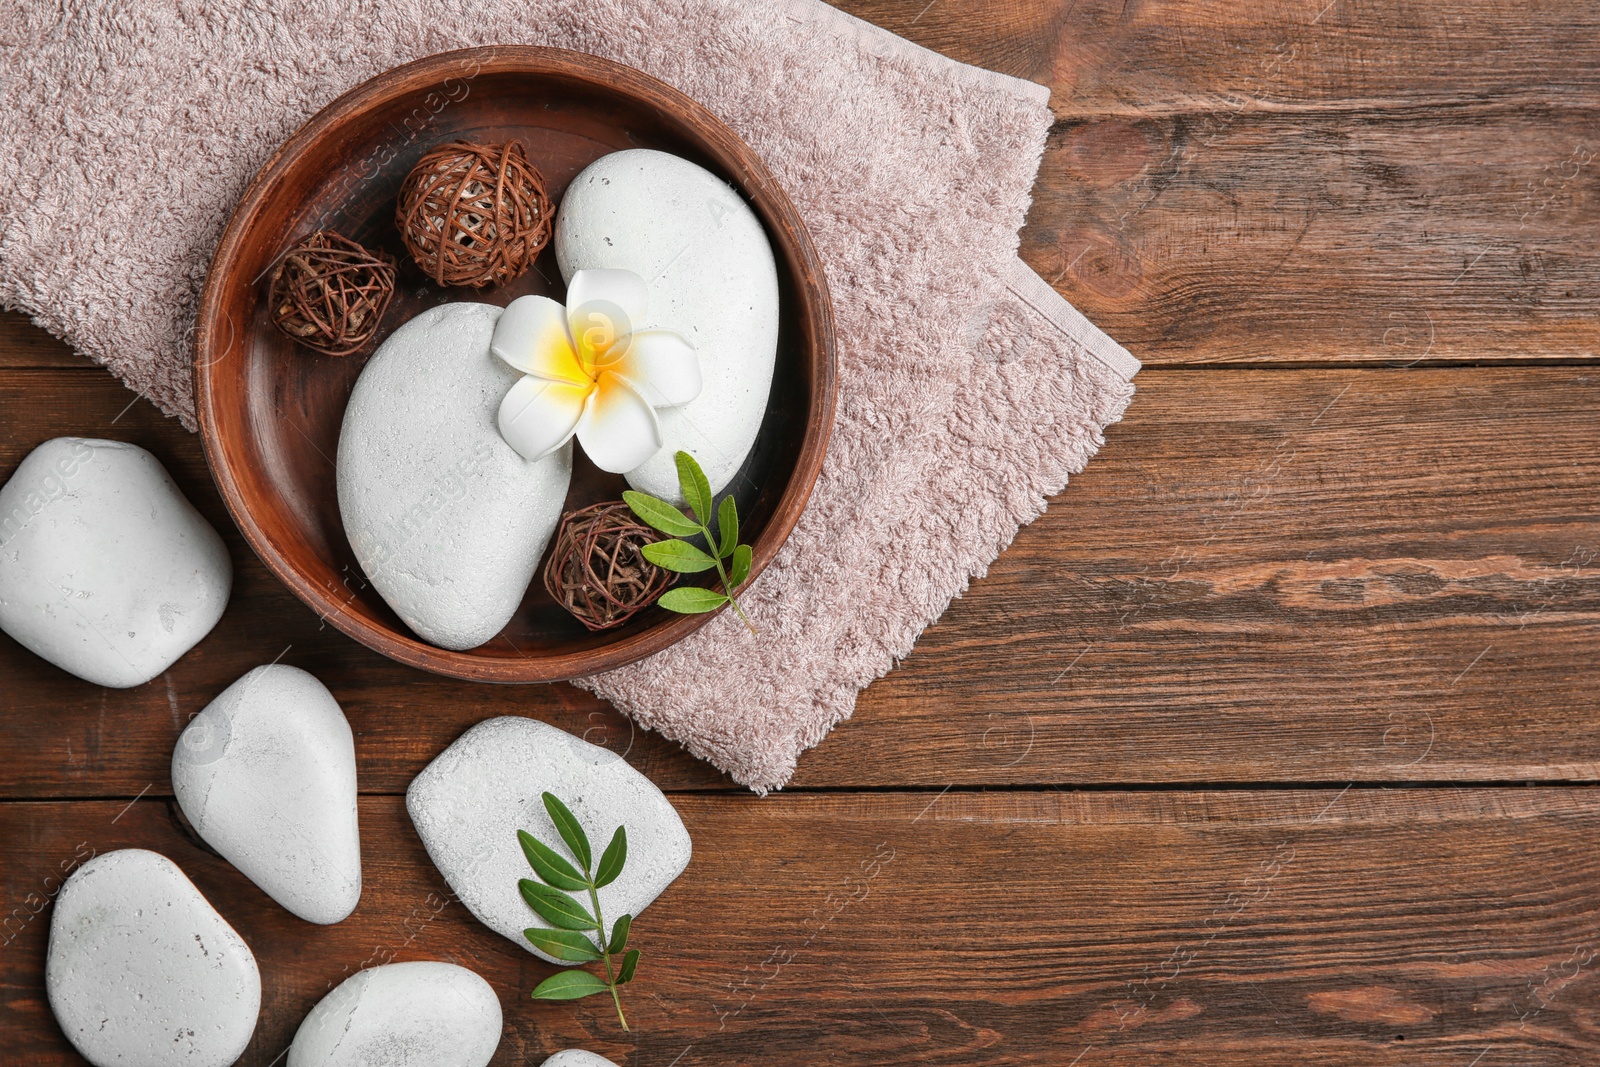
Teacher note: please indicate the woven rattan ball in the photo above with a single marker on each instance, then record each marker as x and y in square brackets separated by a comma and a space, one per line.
[596, 570]
[474, 214]
[329, 293]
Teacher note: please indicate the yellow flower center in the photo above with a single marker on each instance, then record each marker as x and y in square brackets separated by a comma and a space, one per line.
[596, 336]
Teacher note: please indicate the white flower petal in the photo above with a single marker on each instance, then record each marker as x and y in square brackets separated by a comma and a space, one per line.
[618, 430]
[661, 365]
[602, 306]
[532, 336]
[537, 416]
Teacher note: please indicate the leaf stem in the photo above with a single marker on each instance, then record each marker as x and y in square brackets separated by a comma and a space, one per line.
[722, 575]
[605, 951]
[727, 588]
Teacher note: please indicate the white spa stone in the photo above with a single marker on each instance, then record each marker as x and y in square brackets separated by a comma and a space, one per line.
[710, 275]
[446, 520]
[469, 803]
[577, 1057]
[106, 570]
[401, 1014]
[267, 775]
[142, 972]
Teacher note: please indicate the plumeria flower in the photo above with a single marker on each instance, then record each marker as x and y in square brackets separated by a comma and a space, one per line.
[590, 374]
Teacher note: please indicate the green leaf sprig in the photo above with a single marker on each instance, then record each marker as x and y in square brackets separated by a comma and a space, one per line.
[685, 557]
[574, 924]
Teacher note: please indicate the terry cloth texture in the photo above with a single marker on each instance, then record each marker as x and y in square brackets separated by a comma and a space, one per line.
[968, 389]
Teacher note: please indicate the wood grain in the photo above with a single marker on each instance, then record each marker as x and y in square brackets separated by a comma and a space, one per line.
[1304, 576]
[23, 344]
[1342, 182]
[1427, 237]
[1307, 556]
[1365, 927]
[1280, 576]
[1136, 58]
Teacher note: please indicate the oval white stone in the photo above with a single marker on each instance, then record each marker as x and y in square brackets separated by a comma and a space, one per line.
[446, 520]
[142, 971]
[106, 570]
[267, 775]
[577, 1057]
[469, 803]
[710, 275]
[429, 1013]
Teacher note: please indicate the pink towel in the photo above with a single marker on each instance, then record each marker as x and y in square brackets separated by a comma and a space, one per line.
[968, 389]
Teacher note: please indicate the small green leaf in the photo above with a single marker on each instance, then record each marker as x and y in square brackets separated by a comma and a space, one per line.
[691, 600]
[555, 907]
[629, 962]
[727, 527]
[659, 515]
[678, 556]
[550, 867]
[569, 828]
[739, 569]
[619, 935]
[696, 490]
[568, 945]
[569, 985]
[611, 861]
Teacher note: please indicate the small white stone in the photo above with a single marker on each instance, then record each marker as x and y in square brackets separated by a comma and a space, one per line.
[577, 1057]
[106, 570]
[469, 803]
[142, 971]
[423, 1013]
[446, 520]
[267, 775]
[710, 275]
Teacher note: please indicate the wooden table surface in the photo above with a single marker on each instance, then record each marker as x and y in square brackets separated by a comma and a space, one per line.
[1274, 742]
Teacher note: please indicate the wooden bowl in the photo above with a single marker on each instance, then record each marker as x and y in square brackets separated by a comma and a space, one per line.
[270, 411]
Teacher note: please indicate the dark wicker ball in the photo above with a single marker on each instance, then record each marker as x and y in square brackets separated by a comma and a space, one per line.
[596, 570]
[329, 293]
[474, 214]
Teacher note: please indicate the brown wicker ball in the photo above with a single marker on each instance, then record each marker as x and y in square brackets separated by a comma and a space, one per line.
[329, 293]
[596, 570]
[474, 214]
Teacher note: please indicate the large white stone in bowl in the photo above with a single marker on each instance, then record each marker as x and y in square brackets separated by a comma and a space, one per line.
[106, 570]
[142, 971]
[469, 803]
[446, 520]
[710, 275]
[577, 1057]
[267, 775]
[422, 1013]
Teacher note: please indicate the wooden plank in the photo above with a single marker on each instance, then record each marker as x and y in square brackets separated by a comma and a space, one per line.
[1283, 576]
[1431, 236]
[1131, 58]
[22, 344]
[1373, 926]
[1265, 576]
[1307, 181]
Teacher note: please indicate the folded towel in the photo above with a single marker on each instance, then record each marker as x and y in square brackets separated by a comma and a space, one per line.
[968, 389]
